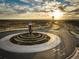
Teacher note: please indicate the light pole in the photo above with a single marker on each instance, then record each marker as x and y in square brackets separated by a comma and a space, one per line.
[30, 28]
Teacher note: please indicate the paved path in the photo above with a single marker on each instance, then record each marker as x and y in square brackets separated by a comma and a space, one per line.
[76, 56]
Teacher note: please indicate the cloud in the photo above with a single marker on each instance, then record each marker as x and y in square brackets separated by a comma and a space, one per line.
[26, 1]
[15, 8]
[12, 8]
[32, 1]
[72, 0]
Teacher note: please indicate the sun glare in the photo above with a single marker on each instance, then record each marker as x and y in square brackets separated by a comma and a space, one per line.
[57, 14]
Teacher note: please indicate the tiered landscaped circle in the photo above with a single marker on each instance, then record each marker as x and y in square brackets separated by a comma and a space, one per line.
[27, 39]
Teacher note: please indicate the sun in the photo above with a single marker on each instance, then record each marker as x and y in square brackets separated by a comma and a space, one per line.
[57, 14]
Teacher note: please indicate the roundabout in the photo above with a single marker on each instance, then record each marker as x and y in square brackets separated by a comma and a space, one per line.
[29, 45]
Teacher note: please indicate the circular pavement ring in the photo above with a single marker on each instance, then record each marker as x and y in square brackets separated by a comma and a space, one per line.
[6, 45]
